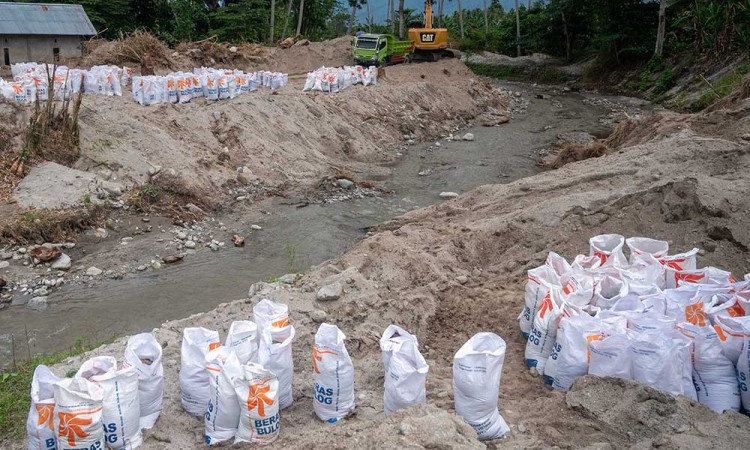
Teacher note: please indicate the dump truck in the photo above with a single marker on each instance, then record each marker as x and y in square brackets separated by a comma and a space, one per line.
[380, 50]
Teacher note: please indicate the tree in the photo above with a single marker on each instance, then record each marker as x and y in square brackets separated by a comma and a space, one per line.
[355, 5]
[286, 20]
[461, 18]
[486, 21]
[273, 13]
[401, 19]
[518, 31]
[662, 26]
[299, 17]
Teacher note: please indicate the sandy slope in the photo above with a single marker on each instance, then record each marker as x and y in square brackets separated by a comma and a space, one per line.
[286, 139]
[685, 188]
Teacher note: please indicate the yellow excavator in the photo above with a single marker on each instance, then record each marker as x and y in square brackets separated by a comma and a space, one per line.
[430, 44]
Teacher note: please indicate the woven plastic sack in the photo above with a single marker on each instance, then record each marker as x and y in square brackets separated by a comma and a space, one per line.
[333, 372]
[242, 337]
[405, 370]
[257, 393]
[194, 384]
[78, 414]
[477, 369]
[40, 425]
[223, 412]
[144, 353]
[275, 354]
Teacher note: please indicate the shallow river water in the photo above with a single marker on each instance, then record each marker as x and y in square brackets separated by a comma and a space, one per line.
[313, 234]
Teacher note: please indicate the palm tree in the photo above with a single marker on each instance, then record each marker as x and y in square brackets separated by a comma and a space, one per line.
[461, 18]
[518, 31]
[273, 13]
[662, 26]
[486, 22]
[299, 17]
[286, 21]
[369, 17]
[401, 19]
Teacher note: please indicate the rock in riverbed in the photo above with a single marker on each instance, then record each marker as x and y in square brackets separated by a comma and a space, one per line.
[448, 195]
[38, 303]
[62, 263]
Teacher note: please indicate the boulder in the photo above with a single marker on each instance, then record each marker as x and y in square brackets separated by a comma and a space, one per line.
[330, 292]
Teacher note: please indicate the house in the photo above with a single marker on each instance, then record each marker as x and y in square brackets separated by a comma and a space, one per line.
[42, 32]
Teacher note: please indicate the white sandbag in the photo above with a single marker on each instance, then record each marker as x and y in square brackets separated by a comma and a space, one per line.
[743, 370]
[333, 372]
[223, 412]
[40, 425]
[640, 246]
[714, 376]
[706, 275]
[608, 248]
[211, 90]
[275, 354]
[257, 393]
[724, 305]
[544, 330]
[194, 384]
[539, 281]
[644, 274]
[647, 321]
[609, 291]
[242, 337]
[586, 262]
[686, 306]
[570, 356]
[121, 408]
[144, 353]
[184, 88]
[731, 334]
[681, 261]
[78, 414]
[223, 84]
[172, 91]
[270, 314]
[405, 370]
[477, 369]
[611, 357]
[663, 361]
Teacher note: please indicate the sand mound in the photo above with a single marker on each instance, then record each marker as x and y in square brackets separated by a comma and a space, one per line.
[205, 142]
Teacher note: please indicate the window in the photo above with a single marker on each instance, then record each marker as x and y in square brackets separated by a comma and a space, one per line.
[56, 54]
[382, 45]
[6, 56]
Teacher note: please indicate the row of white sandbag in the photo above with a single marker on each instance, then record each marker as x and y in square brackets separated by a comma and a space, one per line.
[216, 390]
[605, 276]
[211, 84]
[102, 405]
[33, 81]
[335, 79]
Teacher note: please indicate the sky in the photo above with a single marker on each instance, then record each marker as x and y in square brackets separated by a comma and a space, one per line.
[379, 8]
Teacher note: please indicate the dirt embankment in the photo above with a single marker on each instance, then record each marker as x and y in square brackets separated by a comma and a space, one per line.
[451, 270]
[281, 140]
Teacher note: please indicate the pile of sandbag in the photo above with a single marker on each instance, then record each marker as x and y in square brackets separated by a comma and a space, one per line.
[102, 405]
[335, 79]
[31, 81]
[212, 84]
[654, 317]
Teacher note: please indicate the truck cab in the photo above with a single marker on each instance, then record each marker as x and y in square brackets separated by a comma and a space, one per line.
[379, 49]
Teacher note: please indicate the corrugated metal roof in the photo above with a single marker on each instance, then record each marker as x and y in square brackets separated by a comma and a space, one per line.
[48, 19]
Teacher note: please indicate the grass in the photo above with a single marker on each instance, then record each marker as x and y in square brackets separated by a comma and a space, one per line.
[722, 87]
[46, 225]
[15, 386]
[543, 74]
[577, 152]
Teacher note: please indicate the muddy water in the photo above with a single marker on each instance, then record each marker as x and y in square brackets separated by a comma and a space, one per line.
[295, 238]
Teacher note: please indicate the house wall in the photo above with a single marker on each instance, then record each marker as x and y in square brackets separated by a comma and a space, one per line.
[39, 48]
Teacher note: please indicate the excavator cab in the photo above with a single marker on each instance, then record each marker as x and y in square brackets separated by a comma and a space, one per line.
[430, 43]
